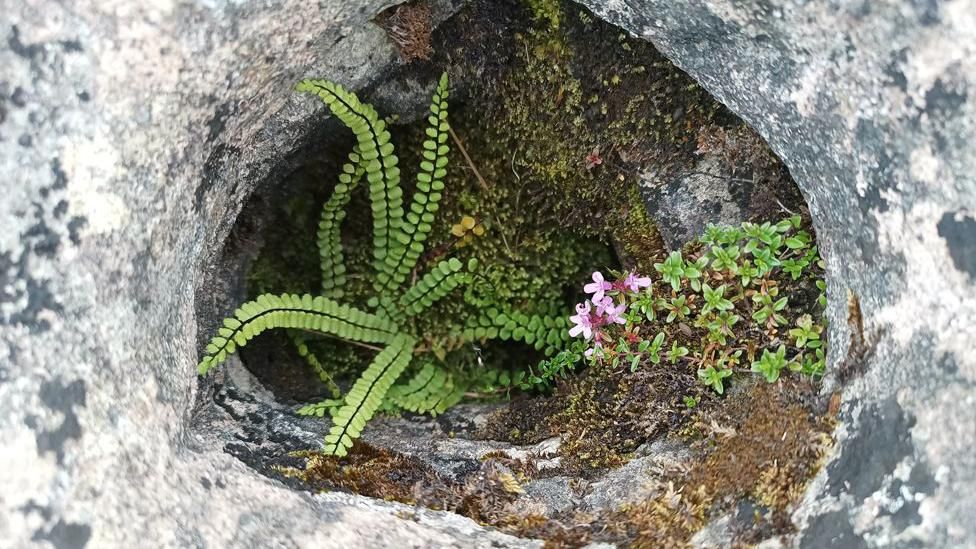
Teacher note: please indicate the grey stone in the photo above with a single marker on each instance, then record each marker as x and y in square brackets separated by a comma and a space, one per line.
[549, 496]
[638, 479]
[437, 442]
[715, 535]
[871, 106]
[683, 205]
[733, 179]
[131, 134]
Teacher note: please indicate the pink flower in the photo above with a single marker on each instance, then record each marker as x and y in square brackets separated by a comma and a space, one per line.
[597, 287]
[581, 321]
[603, 304]
[593, 159]
[589, 352]
[634, 282]
[613, 313]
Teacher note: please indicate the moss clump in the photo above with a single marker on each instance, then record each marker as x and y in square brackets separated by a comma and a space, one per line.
[365, 470]
[483, 495]
[548, 11]
[761, 446]
[757, 447]
[579, 112]
[409, 27]
[603, 415]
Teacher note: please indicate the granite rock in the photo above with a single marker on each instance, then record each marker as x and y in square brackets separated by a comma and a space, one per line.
[131, 134]
[871, 107]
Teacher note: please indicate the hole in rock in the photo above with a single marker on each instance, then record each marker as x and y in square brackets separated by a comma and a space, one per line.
[575, 148]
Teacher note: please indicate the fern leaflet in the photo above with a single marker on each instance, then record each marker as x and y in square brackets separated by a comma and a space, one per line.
[333, 212]
[319, 314]
[366, 395]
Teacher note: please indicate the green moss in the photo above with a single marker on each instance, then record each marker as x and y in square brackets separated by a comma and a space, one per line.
[580, 110]
[778, 445]
[546, 10]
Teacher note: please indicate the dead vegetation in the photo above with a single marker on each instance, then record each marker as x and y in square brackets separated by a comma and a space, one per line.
[409, 27]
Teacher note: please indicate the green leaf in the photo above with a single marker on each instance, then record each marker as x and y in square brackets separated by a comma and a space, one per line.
[426, 198]
[292, 311]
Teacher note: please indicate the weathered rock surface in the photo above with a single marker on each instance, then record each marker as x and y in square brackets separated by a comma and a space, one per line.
[733, 179]
[131, 134]
[250, 423]
[871, 106]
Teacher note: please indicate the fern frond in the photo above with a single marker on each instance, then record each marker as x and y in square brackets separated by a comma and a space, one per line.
[319, 314]
[367, 394]
[301, 345]
[329, 237]
[545, 333]
[380, 162]
[444, 277]
[430, 183]
[319, 409]
[431, 391]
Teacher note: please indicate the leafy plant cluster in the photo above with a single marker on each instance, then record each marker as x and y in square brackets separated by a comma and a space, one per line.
[387, 321]
[747, 298]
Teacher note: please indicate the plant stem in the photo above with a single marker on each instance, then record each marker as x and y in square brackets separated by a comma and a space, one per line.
[349, 341]
[464, 153]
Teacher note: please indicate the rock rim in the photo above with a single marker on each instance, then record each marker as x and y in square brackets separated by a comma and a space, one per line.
[131, 135]
[871, 108]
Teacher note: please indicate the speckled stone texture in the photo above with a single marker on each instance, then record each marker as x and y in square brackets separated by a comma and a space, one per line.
[131, 133]
[872, 105]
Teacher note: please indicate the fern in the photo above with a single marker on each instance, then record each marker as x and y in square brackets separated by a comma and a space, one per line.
[430, 183]
[398, 242]
[382, 173]
[544, 333]
[444, 277]
[319, 314]
[301, 345]
[330, 405]
[333, 212]
[367, 394]
[431, 391]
